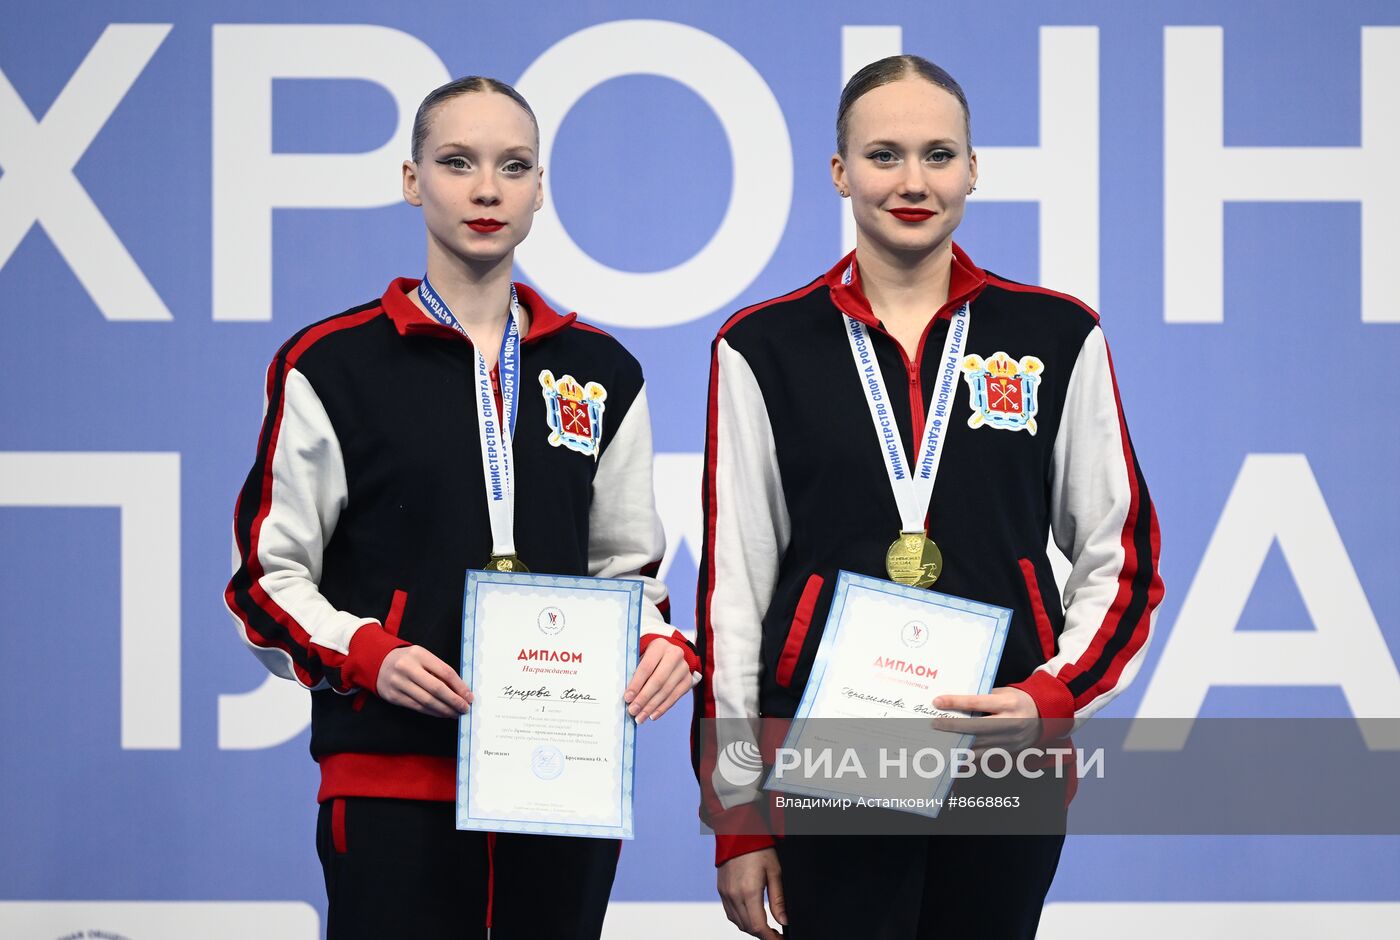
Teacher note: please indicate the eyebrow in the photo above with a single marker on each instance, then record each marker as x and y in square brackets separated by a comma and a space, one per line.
[936, 142]
[463, 145]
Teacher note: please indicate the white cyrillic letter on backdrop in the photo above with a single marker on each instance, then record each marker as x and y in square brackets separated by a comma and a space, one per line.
[271, 714]
[1062, 174]
[146, 488]
[678, 478]
[677, 481]
[1275, 496]
[250, 180]
[1200, 174]
[39, 186]
[759, 197]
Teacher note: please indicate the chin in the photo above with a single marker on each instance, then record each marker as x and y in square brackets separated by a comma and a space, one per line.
[913, 243]
[486, 249]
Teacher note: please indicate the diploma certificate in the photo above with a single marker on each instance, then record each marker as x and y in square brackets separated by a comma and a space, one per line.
[547, 746]
[886, 651]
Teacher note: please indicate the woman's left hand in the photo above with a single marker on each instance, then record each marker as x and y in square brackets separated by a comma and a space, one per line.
[1012, 720]
[661, 679]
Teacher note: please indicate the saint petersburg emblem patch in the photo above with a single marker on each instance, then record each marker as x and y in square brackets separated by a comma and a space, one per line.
[1002, 391]
[574, 413]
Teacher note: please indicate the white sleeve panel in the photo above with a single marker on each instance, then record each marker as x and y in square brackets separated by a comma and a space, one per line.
[624, 531]
[1093, 487]
[751, 533]
[308, 494]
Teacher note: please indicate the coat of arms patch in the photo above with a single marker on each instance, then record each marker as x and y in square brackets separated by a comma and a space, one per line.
[574, 413]
[1003, 391]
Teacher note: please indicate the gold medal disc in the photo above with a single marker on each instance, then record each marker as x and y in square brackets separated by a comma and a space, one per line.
[507, 563]
[914, 559]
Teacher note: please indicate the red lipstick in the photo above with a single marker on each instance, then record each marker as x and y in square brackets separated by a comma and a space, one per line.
[912, 215]
[485, 225]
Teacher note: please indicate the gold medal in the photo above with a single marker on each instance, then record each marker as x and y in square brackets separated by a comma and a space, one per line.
[914, 559]
[513, 565]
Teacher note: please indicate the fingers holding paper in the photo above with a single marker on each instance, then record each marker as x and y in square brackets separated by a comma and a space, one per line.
[1009, 718]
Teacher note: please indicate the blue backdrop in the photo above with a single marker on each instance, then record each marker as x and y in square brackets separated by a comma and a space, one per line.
[185, 185]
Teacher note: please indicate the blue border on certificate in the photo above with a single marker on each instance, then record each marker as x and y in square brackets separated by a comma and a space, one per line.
[470, 599]
[844, 582]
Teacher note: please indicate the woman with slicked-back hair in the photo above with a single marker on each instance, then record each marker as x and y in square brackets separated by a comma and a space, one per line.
[368, 499]
[907, 354]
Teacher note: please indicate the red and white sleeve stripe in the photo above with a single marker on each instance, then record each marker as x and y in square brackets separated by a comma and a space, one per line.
[287, 512]
[1104, 522]
[746, 533]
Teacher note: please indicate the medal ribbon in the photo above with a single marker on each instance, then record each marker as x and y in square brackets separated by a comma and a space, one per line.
[912, 487]
[496, 461]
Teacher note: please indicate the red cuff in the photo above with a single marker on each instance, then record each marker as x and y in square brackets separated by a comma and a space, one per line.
[1053, 700]
[727, 847]
[740, 830]
[368, 647]
[675, 637]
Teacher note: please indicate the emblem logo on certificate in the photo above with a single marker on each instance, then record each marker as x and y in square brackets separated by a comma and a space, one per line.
[548, 746]
[886, 651]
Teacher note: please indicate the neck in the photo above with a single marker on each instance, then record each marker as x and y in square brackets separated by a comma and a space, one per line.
[900, 286]
[478, 292]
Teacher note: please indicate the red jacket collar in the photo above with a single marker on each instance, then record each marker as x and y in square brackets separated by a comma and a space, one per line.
[965, 283]
[408, 319]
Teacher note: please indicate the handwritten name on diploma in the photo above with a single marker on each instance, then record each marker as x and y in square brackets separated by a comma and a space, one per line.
[524, 695]
[849, 692]
[899, 703]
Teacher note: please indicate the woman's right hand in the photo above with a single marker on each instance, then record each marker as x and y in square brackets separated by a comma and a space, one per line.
[414, 678]
[741, 881]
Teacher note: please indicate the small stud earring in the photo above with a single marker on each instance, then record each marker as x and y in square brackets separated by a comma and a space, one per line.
[972, 190]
